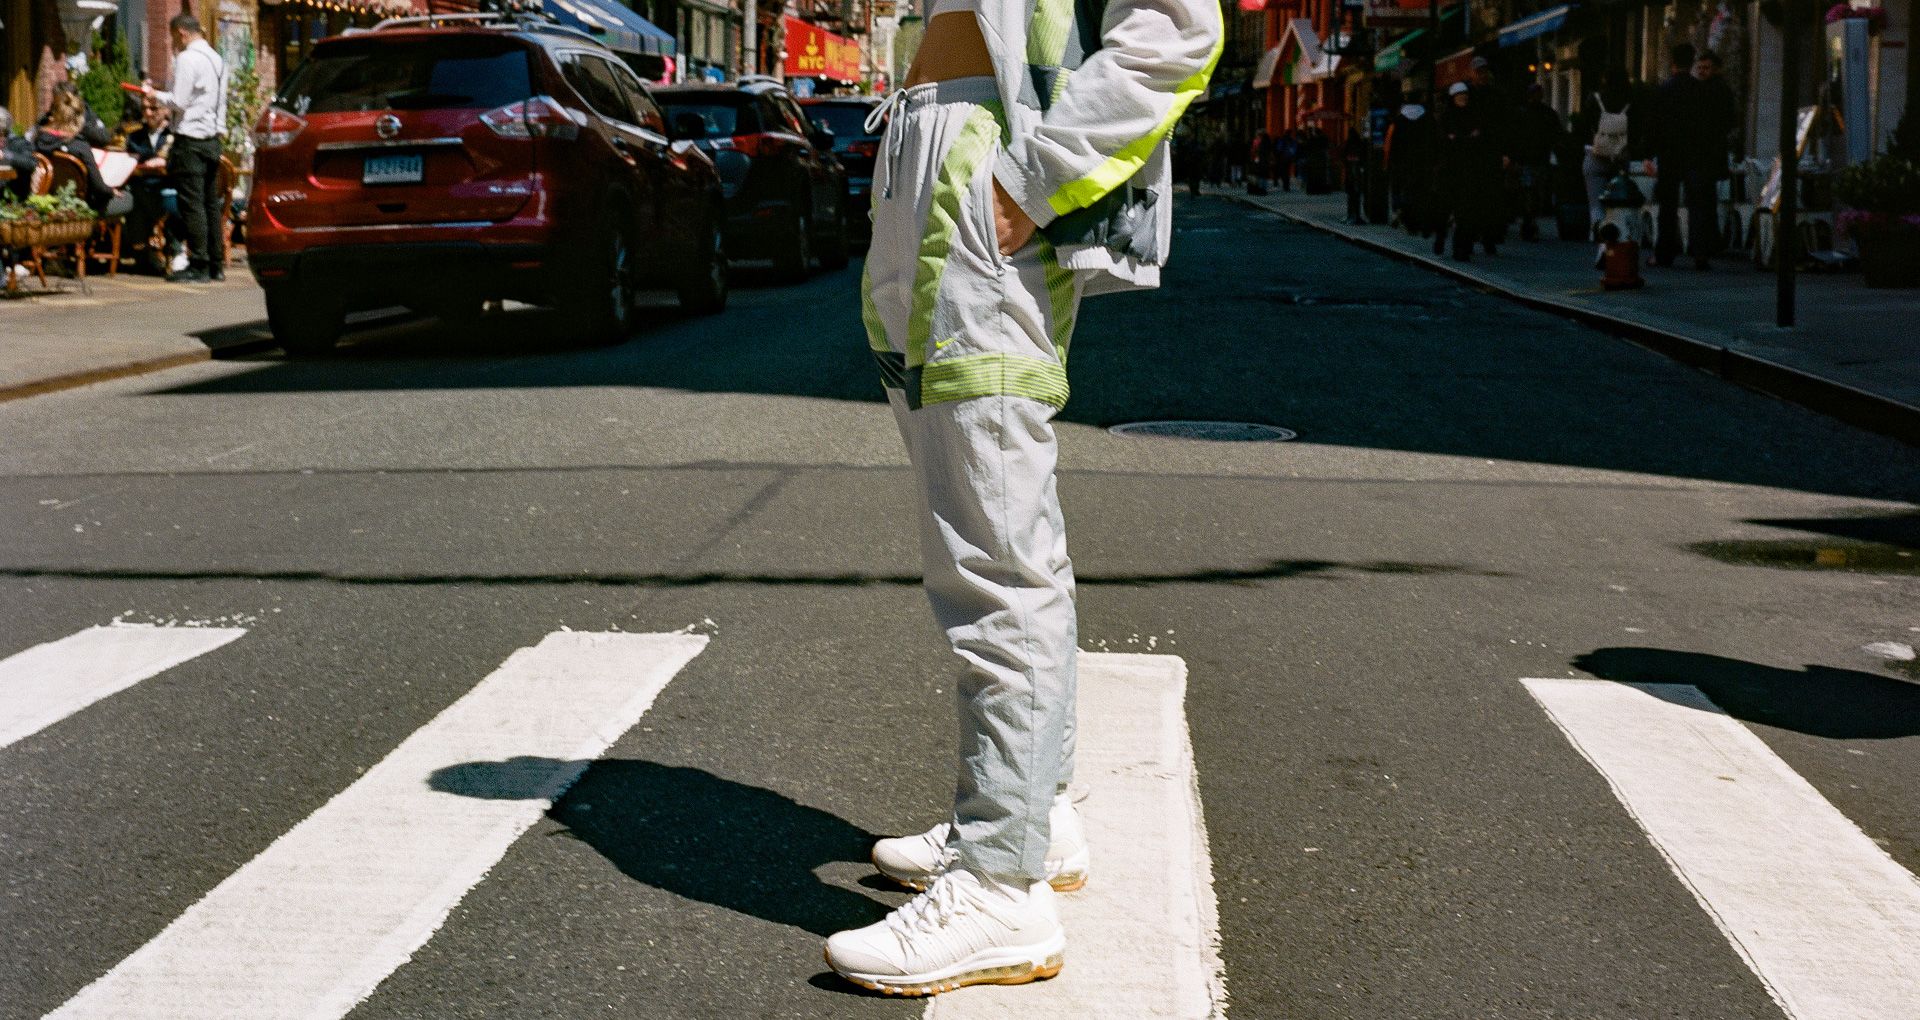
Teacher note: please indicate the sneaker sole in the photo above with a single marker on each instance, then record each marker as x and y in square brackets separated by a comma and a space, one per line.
[913, 987]
[1065, 882]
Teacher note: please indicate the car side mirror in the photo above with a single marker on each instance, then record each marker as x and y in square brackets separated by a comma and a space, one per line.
[689, 126]
[821, 136]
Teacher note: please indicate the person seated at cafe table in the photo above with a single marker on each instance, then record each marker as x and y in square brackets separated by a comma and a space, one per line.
[92, 129]
[63, 130]
[149, 144]
[17, 156]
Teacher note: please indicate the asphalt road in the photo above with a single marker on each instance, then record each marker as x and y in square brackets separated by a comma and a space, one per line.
[1479, 494]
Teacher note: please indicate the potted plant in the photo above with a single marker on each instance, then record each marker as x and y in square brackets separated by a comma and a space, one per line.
[1882, 217]
[45, 221]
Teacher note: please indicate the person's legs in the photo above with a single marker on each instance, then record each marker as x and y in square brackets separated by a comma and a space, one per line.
[187, 165]
[971, 347]
[1597, 172]
[1666, 193]
[1703, 232]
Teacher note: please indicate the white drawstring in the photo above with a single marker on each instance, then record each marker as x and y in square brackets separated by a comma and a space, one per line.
[893, 139]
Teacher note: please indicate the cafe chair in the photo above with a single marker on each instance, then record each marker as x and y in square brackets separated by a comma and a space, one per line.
[224, 186]
[106, 231]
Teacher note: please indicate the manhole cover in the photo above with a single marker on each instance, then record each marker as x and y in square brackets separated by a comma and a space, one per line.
[1209, 431]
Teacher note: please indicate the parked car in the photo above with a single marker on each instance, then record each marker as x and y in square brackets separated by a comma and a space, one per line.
[441, 163]
[846, 117]
[786, 194]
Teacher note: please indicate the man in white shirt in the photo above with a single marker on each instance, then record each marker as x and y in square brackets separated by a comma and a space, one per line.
[199, 92]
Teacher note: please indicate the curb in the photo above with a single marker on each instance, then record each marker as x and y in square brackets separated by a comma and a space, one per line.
[1857, 407]
[36, 387]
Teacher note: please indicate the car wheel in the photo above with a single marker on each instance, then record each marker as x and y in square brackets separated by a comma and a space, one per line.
[834, 247]
[797, 259]
[305, 322]
[600, 309]
[705, 291]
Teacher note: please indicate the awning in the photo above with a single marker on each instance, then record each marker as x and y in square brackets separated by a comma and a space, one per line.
[1389, 58]
[1535, 25]
[1303, 60]
[1263, 75]
[617, 26]
[1394, 54]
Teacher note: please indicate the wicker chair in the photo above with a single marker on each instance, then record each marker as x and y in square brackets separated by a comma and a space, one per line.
[106, 232]
[41, 183]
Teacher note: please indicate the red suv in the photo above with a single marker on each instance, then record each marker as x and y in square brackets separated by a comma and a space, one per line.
[443, 162]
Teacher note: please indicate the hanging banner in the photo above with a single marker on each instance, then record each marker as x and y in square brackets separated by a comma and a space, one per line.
[813, 52]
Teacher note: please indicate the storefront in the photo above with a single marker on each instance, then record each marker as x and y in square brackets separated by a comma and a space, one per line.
[30, 48]
[289, 28]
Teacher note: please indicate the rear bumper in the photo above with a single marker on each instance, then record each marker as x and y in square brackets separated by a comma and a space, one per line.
[414, 272]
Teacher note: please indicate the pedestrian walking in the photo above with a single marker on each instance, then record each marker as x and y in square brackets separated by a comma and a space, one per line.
[197, 93]
[1696, 114]
[1353, 169]
[993, 218]
[1286, 154]
[1412, 151]
[1537, 135]
[1608, 150]
[1259, 163]
[1469, 179]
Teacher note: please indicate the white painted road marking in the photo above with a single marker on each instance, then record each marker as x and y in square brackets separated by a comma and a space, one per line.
[1143, 937]
[47, 683]
[313, 924]
[1829, 922]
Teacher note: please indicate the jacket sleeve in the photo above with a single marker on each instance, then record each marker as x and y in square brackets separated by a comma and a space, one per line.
[1155, 58]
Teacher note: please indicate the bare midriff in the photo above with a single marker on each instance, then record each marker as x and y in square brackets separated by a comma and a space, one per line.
[952, 48]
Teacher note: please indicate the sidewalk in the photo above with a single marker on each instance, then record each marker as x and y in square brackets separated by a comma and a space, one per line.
[1855, 353]
[65, 336]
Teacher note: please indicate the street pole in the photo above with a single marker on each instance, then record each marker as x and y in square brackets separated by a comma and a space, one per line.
[1785, 253]
[750, 38]
[1433, 59]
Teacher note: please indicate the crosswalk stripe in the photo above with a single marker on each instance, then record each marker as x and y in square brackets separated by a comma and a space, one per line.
[310, 926]
[1829, 922]
[1143, 936]
[47, 683]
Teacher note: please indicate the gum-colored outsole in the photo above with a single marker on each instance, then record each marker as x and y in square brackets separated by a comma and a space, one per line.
[991, 976]
[1074, 884]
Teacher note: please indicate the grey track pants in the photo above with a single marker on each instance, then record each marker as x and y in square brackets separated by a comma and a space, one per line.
[971, 346]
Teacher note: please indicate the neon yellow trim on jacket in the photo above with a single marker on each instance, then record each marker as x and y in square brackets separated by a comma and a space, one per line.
[1120, 166]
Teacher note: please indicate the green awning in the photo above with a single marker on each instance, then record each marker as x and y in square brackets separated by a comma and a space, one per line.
[1393, 55]
[1389, 58]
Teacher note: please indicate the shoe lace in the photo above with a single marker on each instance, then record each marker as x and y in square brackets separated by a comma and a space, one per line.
[947, 898]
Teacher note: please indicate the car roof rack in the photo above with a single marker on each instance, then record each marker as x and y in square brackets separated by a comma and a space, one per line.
[510, 14]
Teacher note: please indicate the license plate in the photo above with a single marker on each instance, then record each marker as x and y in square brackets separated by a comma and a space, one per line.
[409, 168]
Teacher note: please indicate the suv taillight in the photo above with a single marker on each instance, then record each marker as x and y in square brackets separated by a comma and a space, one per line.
[864, 148]
[756, 146]
[277, 127]
[539, 117]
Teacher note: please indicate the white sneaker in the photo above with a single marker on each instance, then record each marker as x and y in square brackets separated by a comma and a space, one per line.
[915, 861]
[179, 263]
[961, 931]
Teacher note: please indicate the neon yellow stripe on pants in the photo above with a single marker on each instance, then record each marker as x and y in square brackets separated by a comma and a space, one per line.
[994, 374]
[969, 150]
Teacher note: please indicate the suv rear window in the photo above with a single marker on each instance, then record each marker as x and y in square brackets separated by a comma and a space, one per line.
[371, 73]
[847, 120]
[724, 115]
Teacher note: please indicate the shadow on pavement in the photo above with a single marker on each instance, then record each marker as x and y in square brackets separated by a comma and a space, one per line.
[1259, 320]
[696, 835]
[1821, 701]
[1276, 570]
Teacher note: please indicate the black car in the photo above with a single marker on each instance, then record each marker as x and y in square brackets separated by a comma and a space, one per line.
[846, 117]
[786, 194]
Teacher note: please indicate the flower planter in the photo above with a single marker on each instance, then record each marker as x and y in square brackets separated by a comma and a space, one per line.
[17, 234]
[1890, 257]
